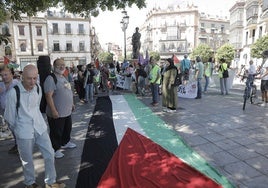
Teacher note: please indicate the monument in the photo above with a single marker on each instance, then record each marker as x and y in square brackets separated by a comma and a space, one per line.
[136, 44]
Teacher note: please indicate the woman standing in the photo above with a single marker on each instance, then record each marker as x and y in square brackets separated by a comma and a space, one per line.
[223, 75]
[169, 91]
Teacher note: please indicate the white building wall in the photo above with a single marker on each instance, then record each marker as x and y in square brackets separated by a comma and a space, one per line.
[75, 56]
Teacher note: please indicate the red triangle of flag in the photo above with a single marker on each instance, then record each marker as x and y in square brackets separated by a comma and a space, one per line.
[175, 59]
[140, 162]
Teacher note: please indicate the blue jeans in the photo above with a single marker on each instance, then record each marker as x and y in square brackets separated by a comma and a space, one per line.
[25, 147]
[89, 92]
[155, 92]
[223, 85]
[199, 88]
[206, 83]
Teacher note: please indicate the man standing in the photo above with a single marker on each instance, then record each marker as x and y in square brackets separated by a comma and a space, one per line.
[59, 97]
[30, 128]
[185, 68]
[155, 78]
[199, 71]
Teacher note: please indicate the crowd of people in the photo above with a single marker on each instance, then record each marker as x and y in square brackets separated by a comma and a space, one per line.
[29, 126]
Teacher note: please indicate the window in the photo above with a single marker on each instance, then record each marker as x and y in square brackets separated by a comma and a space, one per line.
[56, 46]
[23, 46]
[39, 30]
[69, 46]
[5, 30]
[81, 28]
[202, 25]
[21, 30]
[40, 46]
[81, 46]
[260, 32]
[212, 26]
[172, 33]
[222, 28]
[68, 28]
[55, 28]
[8, 50]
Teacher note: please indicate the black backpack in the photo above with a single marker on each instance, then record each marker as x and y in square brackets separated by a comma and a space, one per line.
[44, 69]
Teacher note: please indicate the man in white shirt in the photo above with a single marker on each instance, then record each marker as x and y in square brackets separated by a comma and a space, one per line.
[27, 123]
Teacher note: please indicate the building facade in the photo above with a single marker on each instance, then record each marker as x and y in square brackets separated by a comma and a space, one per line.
[30, 39]
[170, 31]
[68, 38]
[57, 34]
[213, 30]
[253, 16]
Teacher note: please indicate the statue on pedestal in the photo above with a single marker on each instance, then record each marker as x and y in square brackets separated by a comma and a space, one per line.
[136, 43]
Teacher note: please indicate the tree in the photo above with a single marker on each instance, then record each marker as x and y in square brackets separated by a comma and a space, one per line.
[259, 47]
[227, 52]
[105, 57]
[15, 8]
[202, 50]
[155, 55]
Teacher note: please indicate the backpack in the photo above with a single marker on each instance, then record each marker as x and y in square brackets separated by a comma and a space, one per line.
[44, 69]
[185, 66]
[17, 89]
[178, 80]
[225, 73]
[43, 103]
[143, 73]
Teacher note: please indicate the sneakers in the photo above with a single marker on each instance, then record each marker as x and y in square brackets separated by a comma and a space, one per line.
[58, 154]
[13, 150]
[69, 145]
[56, 185]
[34, 185]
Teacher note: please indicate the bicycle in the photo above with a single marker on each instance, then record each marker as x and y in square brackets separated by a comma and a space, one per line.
[250, 91]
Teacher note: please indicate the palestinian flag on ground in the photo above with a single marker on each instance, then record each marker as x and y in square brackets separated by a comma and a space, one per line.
[129, 146]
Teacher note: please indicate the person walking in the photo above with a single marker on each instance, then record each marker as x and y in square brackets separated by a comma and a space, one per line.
[154, 78]
[223, 75]
[169, 91]
[7, 74]
[59, 97]
[199, 72]
[208, 72]
[30, 128]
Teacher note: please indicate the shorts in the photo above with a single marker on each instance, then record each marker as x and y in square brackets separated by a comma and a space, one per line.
[264, 85]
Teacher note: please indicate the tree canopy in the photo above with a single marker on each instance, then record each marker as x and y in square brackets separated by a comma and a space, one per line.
[202, 50]
[226, 52]
[14, 8]
[259, 47]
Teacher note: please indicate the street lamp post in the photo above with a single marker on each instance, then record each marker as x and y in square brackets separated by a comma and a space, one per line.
[124, 23]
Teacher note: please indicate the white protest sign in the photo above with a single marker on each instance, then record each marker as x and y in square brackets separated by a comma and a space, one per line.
[188, 91]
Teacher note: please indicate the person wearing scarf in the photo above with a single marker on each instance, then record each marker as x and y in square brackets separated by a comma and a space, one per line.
[169, 91]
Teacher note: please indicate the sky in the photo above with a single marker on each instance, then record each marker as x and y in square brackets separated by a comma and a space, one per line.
[108, 28]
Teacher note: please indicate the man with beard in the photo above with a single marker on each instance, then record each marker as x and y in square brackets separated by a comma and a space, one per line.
[59, 97]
